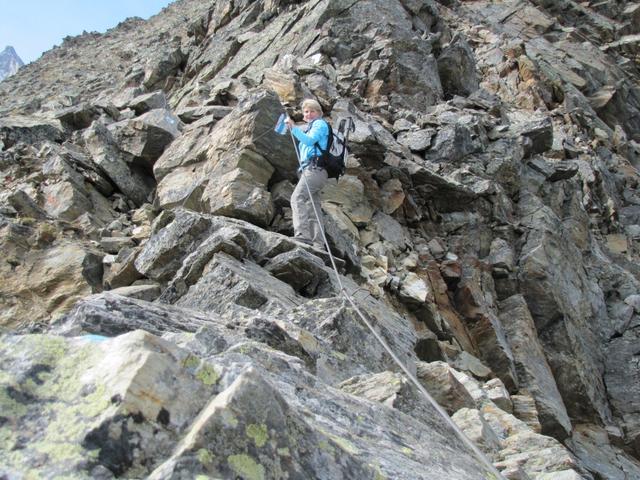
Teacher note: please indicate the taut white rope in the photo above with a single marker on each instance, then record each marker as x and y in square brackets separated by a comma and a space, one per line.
[481, 456]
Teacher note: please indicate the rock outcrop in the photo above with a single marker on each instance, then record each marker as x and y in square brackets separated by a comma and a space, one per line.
[158, 321]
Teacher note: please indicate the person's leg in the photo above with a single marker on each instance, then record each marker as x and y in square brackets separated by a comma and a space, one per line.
[317, 179]
[305, 226]
[299, 211]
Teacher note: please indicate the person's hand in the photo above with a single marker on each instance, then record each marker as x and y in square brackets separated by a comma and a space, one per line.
[289, 123]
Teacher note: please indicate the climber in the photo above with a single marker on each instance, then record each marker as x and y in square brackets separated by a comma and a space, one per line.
[316, 132]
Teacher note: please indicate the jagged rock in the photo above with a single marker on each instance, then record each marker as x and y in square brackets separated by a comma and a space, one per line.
[40, 284]
[532, 368]
[349, 194]
[109, 314]
[286, 85]
[436, 248]
[143, 214]
[115, 244]
[535, 453]
[252, 398]
[263, 415]
[227, 239]
[476, 428]
[633, 301]
[24, 206]
[66, 201]
[466, 362]
[443, 386]
[413, 289]
[393, 196]
[281, 193]
[70, 164]
[391, 231]
[563, 475]
[147, 293]
[247, 127]
[207, 114]
[452, 323]
[538, 131]
[451, 144]
[323, 89]
[524, 408]
[229, 184]
[236, 194]
[590, 444]
[149, 101]
[563, 171]
[98, 387]
[540, 159]
[343, 346]
[618, 106]
[226, 282]
[78, 117]
[562, 314]
[29, 129]
[417, 140]
[620, 376]
[123, 271]
[457, 68]
[498, 394]
[145, 137]
[300, 269]
[162, 255]
[161, 66]
[342, 236]
[394, 390]
[484, 325]
[501, 257]
[117, 165]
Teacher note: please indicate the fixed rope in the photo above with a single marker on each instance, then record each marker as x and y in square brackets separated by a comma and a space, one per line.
[481, 456]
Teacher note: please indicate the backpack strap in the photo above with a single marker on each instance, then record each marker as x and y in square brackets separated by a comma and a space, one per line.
[329, 139]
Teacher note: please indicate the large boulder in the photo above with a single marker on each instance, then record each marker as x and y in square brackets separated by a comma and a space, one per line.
[236, 194]
[29, 129]
[225, 168]
[444, 387]
[226, 282]
[118, 165]
[457, 68]
[474, 298]
[42, 281]
[120, 396]
[568, 320]
[621, 379]
[534, 373]
[145, 137]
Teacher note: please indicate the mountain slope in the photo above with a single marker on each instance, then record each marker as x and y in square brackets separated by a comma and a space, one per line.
[487, 226]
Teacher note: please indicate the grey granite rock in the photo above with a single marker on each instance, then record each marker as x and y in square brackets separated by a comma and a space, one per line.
[508, 131]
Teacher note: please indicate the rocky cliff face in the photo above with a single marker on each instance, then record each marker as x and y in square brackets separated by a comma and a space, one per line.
[159, 322]
[10, 62]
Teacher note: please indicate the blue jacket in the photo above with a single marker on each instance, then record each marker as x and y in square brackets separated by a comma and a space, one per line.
[316, 131]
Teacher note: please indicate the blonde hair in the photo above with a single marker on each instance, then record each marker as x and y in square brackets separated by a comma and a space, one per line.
[312, 105]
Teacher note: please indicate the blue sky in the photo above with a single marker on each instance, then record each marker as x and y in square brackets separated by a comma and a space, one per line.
[34, 26]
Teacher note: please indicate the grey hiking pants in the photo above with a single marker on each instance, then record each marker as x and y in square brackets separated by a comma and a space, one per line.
[305, 226]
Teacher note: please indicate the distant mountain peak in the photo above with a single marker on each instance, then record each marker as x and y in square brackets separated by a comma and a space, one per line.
[10, 62]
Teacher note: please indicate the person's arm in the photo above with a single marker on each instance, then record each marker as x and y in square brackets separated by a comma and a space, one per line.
[319, 131]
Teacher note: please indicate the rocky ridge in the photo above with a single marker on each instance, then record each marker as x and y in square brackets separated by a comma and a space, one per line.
[488, 226]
